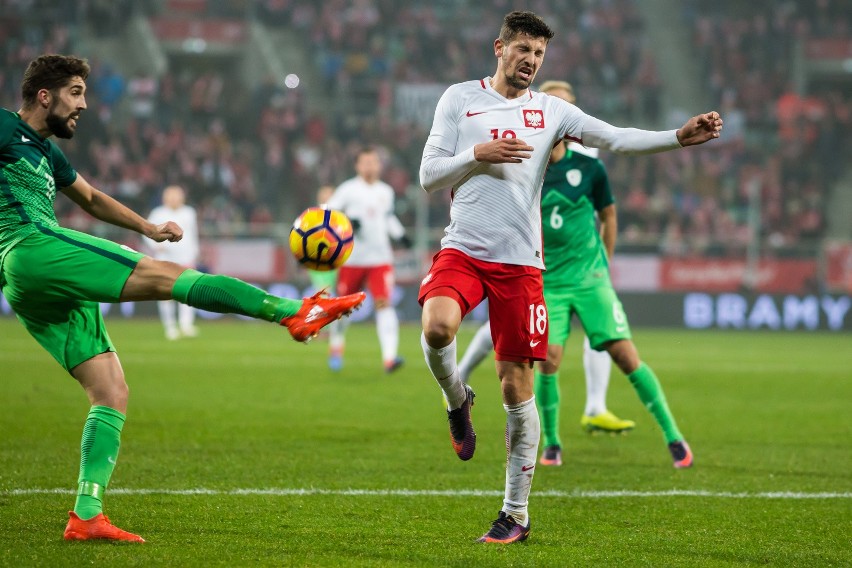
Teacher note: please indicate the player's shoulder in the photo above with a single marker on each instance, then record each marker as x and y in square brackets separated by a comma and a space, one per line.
[8, 122]
[472, 86]
[8, 117]
[554, 104]
[348, 184]
[466, 90]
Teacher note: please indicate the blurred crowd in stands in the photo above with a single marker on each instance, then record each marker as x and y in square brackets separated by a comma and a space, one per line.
[250, 157]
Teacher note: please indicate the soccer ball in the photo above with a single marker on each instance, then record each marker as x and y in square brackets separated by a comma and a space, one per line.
[321, 239]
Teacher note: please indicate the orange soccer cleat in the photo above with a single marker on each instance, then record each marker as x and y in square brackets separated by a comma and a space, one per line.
[98, 527]
[318, 311]
[681, 454]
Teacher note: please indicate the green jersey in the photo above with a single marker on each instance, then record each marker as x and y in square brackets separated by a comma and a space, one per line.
[574, 188]
[31, 168]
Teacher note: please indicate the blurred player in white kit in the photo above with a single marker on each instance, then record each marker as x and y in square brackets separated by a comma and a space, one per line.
[369, 204]
[184, 252]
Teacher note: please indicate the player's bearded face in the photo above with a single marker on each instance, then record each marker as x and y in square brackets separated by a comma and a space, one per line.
[521, 60]
[65, 108]
[61, 125]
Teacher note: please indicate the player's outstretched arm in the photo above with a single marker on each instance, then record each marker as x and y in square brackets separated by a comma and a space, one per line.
[101, 206]
[699, 129]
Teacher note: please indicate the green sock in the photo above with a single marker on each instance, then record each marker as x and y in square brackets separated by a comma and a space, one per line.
[547, 401]
[652, 396]
[226, 295]
[98, 454]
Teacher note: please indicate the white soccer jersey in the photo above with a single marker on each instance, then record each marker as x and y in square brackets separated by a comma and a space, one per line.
[496, 210]
[185, 251]
[372, 205]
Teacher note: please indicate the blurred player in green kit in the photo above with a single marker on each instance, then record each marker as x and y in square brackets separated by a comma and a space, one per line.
[54, 278]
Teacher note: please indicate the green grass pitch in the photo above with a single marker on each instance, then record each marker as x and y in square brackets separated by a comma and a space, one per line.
[243, 409]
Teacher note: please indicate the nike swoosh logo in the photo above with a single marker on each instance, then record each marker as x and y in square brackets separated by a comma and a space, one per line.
[315, 313]
[621, 329]
[475, 113]
[527, 467]
[111, 460]
[25, 139]
[534, 343]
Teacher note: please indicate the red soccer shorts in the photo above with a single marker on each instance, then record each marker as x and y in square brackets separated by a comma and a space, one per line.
[515, 300]
[378, 279]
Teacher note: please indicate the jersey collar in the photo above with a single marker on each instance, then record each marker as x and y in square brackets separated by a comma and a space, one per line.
[518, 101]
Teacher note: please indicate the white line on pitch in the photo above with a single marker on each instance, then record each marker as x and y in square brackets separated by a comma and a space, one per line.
[449, 493]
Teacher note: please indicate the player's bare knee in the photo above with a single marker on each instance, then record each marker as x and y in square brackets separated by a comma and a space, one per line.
[438, 334]
[624, 355]
[119, 395]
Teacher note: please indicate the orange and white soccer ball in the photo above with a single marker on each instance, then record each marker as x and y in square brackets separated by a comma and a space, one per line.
[321, 239]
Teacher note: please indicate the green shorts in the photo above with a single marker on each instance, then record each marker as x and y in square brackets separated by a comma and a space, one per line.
[598, 308]
[54, 280]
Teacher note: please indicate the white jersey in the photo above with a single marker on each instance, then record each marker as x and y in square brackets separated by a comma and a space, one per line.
[372, 205]
[185, 251]
[496, 209]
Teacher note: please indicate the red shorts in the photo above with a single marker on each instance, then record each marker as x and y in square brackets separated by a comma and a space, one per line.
[515, 300]
[378, 280]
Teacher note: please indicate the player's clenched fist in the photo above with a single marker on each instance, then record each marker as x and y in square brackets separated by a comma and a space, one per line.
[699, 129]
[502, 151]
[168, 231]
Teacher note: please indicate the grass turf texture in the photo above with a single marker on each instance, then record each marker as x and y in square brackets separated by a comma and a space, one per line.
[244, 407]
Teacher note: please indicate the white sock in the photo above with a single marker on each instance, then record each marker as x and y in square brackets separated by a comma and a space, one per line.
[186, 317]
[387, 326]
[522, 434]
[167, 314]
[442, 363]
[480, 346]
[597, 365]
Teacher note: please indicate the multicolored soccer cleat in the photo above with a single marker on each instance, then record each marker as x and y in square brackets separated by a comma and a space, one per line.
[606, 422]
[552, 455]
[394, 364]
[505, 530]
[335, 359]
[98, 527]
[461, 427]
[681, 454]
[318, 311]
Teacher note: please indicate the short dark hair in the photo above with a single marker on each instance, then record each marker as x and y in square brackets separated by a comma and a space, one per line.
[524, 23]
[51, 72]
[366, 150]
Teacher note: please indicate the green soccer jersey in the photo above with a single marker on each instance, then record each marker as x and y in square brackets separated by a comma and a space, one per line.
[31, 168]
[574, 188]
